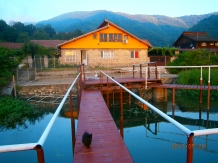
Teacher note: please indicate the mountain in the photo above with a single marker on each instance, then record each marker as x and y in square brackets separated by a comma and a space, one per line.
[209, 25]
[158, 29]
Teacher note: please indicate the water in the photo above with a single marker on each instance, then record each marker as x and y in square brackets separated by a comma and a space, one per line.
[57, 147]
[148, 137]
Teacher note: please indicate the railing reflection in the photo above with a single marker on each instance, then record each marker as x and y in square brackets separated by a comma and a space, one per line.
[190, 134]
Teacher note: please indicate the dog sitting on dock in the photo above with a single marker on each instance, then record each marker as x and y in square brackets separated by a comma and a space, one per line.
[87, 139]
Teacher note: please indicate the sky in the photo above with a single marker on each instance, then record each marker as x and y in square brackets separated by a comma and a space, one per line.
[38, 10]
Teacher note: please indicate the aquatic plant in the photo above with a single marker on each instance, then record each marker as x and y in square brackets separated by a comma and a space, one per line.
[14, 112]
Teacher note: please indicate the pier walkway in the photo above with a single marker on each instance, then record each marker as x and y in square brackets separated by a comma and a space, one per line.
[107, 143]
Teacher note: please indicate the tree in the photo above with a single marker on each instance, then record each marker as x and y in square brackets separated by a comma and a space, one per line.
[19, 26]
[9, 60]
[23, 37]
[30, 29]
[30, 48]
[40, 35]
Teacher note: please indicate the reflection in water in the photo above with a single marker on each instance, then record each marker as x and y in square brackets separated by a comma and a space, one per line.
[57, 147]
[150, 137]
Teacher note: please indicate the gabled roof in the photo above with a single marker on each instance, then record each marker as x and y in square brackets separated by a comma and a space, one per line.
[11, 45]
[105, 24]
[48, 43]
[196, 36]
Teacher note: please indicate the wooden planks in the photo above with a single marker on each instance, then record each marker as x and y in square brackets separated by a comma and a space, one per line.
[107, 144]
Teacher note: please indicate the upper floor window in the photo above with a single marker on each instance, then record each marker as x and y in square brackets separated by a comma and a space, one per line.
[211, 43]
[107, 54]
[134, 54]
[203, 44]
[103, 37]
[216, 43]
[110, 37]
[95, 36]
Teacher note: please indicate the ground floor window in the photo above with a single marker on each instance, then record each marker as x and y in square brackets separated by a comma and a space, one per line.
[107, 54]
[70, 56]
[134, 54]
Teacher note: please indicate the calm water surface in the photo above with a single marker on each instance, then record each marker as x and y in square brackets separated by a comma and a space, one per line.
[148, 137]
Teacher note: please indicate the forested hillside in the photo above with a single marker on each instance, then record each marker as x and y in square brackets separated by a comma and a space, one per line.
[18, 32]
[158, 29]
[209, 25]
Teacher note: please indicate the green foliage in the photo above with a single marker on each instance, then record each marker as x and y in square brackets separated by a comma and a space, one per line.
[193, 58]
[9, 60]
[208, 25]
[192, 77]
[14, 112]
[30, 48]
[163, 50]
[18, 32]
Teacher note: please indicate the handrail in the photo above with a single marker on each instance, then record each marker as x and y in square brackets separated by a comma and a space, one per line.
[190, 134]
[40, 143]
[206, 132]
[178, 125]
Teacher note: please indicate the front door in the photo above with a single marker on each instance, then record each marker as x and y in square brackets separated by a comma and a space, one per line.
[84, 57]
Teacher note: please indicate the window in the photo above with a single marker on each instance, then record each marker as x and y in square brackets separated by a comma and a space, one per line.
[203, 44]
[70, 56]
[111, 37]
[134, 54]
[212, 43]
[107, 54]
[120, 38]
[103, 37]
[94, 36]
[216, 43]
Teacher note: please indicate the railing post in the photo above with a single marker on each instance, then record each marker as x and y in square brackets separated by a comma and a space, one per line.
[107, 94]
[173, 96]
[78, 96]
[189, 147]
[40, 154]
[102, 91]
[140, 70]
[121, 112]
[133, 71]
[100, 82]
[156, 70]
[84, 75]
[72, 122]
[208, 91]
[201, 82]
[148, 71]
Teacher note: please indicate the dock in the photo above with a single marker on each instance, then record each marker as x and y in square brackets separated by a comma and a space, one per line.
[107, 144]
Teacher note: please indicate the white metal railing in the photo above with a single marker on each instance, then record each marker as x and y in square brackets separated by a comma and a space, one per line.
[40, 143]
[190, 134]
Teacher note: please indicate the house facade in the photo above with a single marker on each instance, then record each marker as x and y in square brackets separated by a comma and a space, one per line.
[196, 40]
[107, 46]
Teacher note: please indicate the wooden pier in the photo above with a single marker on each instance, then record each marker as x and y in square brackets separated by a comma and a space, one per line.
[107, 143]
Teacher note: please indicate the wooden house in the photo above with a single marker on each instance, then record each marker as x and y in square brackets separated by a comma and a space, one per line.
[107, 46]
[196, 40]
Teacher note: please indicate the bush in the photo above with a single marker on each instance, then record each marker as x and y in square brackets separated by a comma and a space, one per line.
[193, 58]
[14, 112]
[192, 77]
